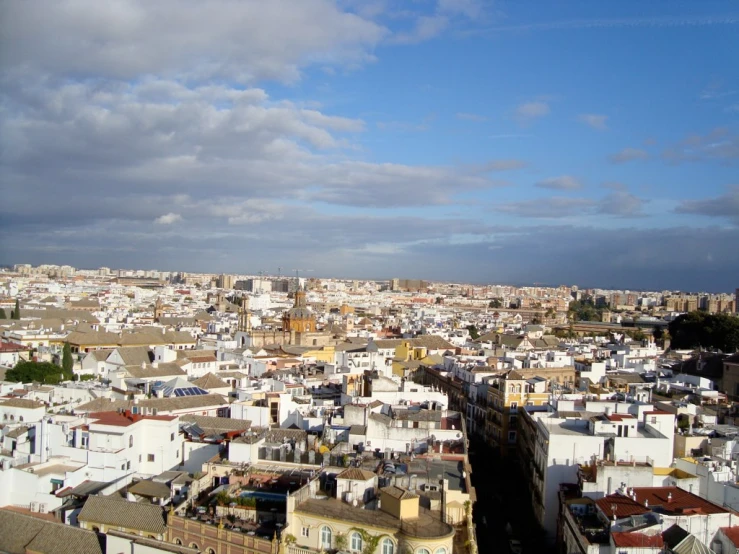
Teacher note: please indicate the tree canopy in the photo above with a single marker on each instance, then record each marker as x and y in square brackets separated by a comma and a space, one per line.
[3, 315]
[701, 329]
[584, 310]
[474, 333]
[67, 360]
[41, 372]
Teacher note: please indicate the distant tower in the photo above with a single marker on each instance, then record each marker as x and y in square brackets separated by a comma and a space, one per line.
[299, 318]
[158, 309]
[244, 317]
[736, 301]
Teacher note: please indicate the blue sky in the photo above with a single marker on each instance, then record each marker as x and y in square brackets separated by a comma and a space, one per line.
[585, 143]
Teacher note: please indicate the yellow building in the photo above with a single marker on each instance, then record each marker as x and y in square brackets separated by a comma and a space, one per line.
[395, 524]
[513, 390]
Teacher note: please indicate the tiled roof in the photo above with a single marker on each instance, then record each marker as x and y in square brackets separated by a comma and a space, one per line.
[673, 500]
[210, 381]
[356, 474]
[110, 510]
[21, 403]
[732, 533]
[624, 506]
[398, 492]
[634, 539]
[21, 533]
[163, 369]
[150, 489]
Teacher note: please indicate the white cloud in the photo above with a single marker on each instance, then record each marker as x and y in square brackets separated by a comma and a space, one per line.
[168, 219]
[563, 182]
[241, 40]
[595, 121]
[529, 111]
[628, 155]
[466, 116]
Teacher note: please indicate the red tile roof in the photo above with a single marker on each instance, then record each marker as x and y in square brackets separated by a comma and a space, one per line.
[732, 533]
[676, 501]
[624, 506]
[634, 539]
[658, 412]
[619, 417]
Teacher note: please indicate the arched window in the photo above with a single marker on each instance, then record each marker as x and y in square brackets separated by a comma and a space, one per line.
[326, 537]
[12, 417]
[194, 545]
[440, 550]
[178, 542]
[20, 418]
[130, 441]
[356, 544]
[210, 551]
[423, 551]
[388, 547]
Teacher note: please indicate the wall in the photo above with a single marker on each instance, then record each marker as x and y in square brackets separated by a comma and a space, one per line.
[196, 454]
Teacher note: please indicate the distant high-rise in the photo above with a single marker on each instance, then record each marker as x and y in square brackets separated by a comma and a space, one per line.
[736, 301]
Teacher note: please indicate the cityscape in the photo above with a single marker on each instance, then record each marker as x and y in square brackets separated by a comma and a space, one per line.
[369, 277]
[270, 413]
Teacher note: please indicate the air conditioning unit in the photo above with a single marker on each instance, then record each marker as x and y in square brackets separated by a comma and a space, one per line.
[34, 507]
[42, 508]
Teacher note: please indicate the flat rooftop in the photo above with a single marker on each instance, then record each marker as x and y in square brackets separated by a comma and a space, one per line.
[428, 524]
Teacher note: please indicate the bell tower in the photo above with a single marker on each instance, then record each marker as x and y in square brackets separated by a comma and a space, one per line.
[158, 309]
[244, 316]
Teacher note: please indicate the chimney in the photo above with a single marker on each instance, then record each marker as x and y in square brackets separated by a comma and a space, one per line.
[669, 498]
[646, 503]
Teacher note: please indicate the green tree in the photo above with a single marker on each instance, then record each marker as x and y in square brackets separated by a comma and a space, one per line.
[16, 314]
[474, 333]
[584, 310]
[495, 303]
[67, 360]
[3, 315]
[41, 372]
[701, 329]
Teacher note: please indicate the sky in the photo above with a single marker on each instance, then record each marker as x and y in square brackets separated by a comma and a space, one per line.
[575, 142]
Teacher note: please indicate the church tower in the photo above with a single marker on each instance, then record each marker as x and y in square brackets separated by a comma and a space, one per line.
[244, 316]
[158, 309]
[299, 318]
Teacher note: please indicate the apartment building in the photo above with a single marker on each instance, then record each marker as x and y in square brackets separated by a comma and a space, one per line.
[554, 445]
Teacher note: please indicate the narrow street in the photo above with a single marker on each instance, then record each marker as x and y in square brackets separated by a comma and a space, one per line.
[500, 500]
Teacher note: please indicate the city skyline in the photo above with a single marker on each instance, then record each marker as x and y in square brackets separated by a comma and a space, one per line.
[450, 141]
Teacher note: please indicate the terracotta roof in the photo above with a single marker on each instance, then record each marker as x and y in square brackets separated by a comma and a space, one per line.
[635, 539]
[732, 533]
[624, 506]
[110, 510]
[673, 500]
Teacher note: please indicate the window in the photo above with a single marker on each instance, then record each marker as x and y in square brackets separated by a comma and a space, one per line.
[305, 532]
[123, 467]
[423, 551]
[84, 440]
[511, 436]
[194, 545]
[130, 441]
[171, 437]
[325, 537]
[178, 542]
[356, 543]
[128, 464]
[20, 418]
[211, 551]
[440, 550]
[388, 547]
[513, 406]
[150, 458]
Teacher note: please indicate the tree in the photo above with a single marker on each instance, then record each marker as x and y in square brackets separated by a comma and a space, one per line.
[3, 315]
[16, 314]
[67, 360]
[584, 310]
[41, 372]
[536, 320]
[495, 303]
[701, 329]
[474, 333]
